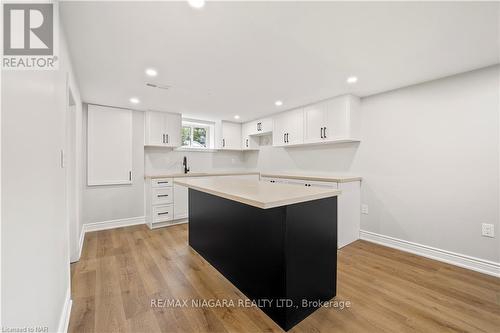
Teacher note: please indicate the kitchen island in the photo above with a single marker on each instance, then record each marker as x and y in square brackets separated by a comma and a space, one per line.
[275, 243]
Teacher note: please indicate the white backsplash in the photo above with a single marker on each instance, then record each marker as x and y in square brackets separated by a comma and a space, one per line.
[165, 160]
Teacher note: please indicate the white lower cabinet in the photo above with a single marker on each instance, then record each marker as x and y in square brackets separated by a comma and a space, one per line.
[348, 213]
[162, 213]
[348, 206]
[166, 203]
[180, 202]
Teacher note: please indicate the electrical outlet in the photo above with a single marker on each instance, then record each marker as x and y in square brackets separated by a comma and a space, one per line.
[364, 209]
[488, 230]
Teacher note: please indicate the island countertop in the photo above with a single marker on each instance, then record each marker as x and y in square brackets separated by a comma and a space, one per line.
[257, 193]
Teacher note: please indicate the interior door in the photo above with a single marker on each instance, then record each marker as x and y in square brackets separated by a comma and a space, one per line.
[314, 121]
[156, 124]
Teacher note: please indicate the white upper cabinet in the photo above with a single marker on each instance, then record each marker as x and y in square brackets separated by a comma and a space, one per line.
[337, 119]
[343, 119]
[163, 129]
[288, 128]
[315, 117]
[260, 127]
[230, 136]
[248, 141]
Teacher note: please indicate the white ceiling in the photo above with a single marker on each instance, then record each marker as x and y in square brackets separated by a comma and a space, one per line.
[239, 57]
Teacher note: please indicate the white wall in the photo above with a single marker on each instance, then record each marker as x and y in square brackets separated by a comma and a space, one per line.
[112, 202]
[318, 159]
[35, 235]
[429, 159]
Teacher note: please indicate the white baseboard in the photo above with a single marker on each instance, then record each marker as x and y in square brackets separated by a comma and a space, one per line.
[66, 312]
[475, 264]
[80, 244]
[105, 225]
[111, 224]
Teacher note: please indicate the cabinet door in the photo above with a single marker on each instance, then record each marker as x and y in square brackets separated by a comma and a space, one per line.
[173, 125]
[348, 213]
[266, 125]
[279, 125]
[231, 136]
[314, 121]
[155, 128]
[252, 127]
[248, 142]
[295, 127]
[180, 202]
[337, 118]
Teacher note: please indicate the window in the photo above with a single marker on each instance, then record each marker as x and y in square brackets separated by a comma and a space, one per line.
[196, 135]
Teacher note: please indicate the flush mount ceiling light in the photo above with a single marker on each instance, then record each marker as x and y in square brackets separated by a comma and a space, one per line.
[134, 100]
[151, 72]
[278, 103]
[197, 3]
[236, 117]
[352, 79]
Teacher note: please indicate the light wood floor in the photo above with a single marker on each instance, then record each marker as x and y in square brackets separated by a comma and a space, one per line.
[121, 270]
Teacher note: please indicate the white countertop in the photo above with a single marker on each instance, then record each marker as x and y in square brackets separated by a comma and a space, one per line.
[257, 193]
[323, 177]
[338, 178]
[201, 174]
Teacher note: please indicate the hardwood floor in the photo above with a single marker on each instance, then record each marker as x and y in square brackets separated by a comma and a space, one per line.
[122, 270]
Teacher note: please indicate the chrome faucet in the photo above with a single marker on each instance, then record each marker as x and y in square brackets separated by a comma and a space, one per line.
[185, 164]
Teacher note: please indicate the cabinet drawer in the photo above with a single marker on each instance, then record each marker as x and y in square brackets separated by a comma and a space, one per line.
[273, 180]
[162, 213]
[161, 182]
[162, 196]
[312, 183]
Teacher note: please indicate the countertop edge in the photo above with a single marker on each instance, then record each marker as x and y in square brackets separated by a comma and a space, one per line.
[333, 179]
[325, 178]
[260, 204]
[208, 174]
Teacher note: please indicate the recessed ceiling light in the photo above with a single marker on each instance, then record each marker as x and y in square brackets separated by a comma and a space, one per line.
[197, 3]
[134, 100]
[278, 103]
[151, 72]
[352, 79]
[236, 117]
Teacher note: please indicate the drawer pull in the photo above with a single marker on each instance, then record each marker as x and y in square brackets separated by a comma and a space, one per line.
[163, 213]
[164, 182]
[162, 195]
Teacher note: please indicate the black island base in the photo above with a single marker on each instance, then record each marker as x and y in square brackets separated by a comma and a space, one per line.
[283, 258]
